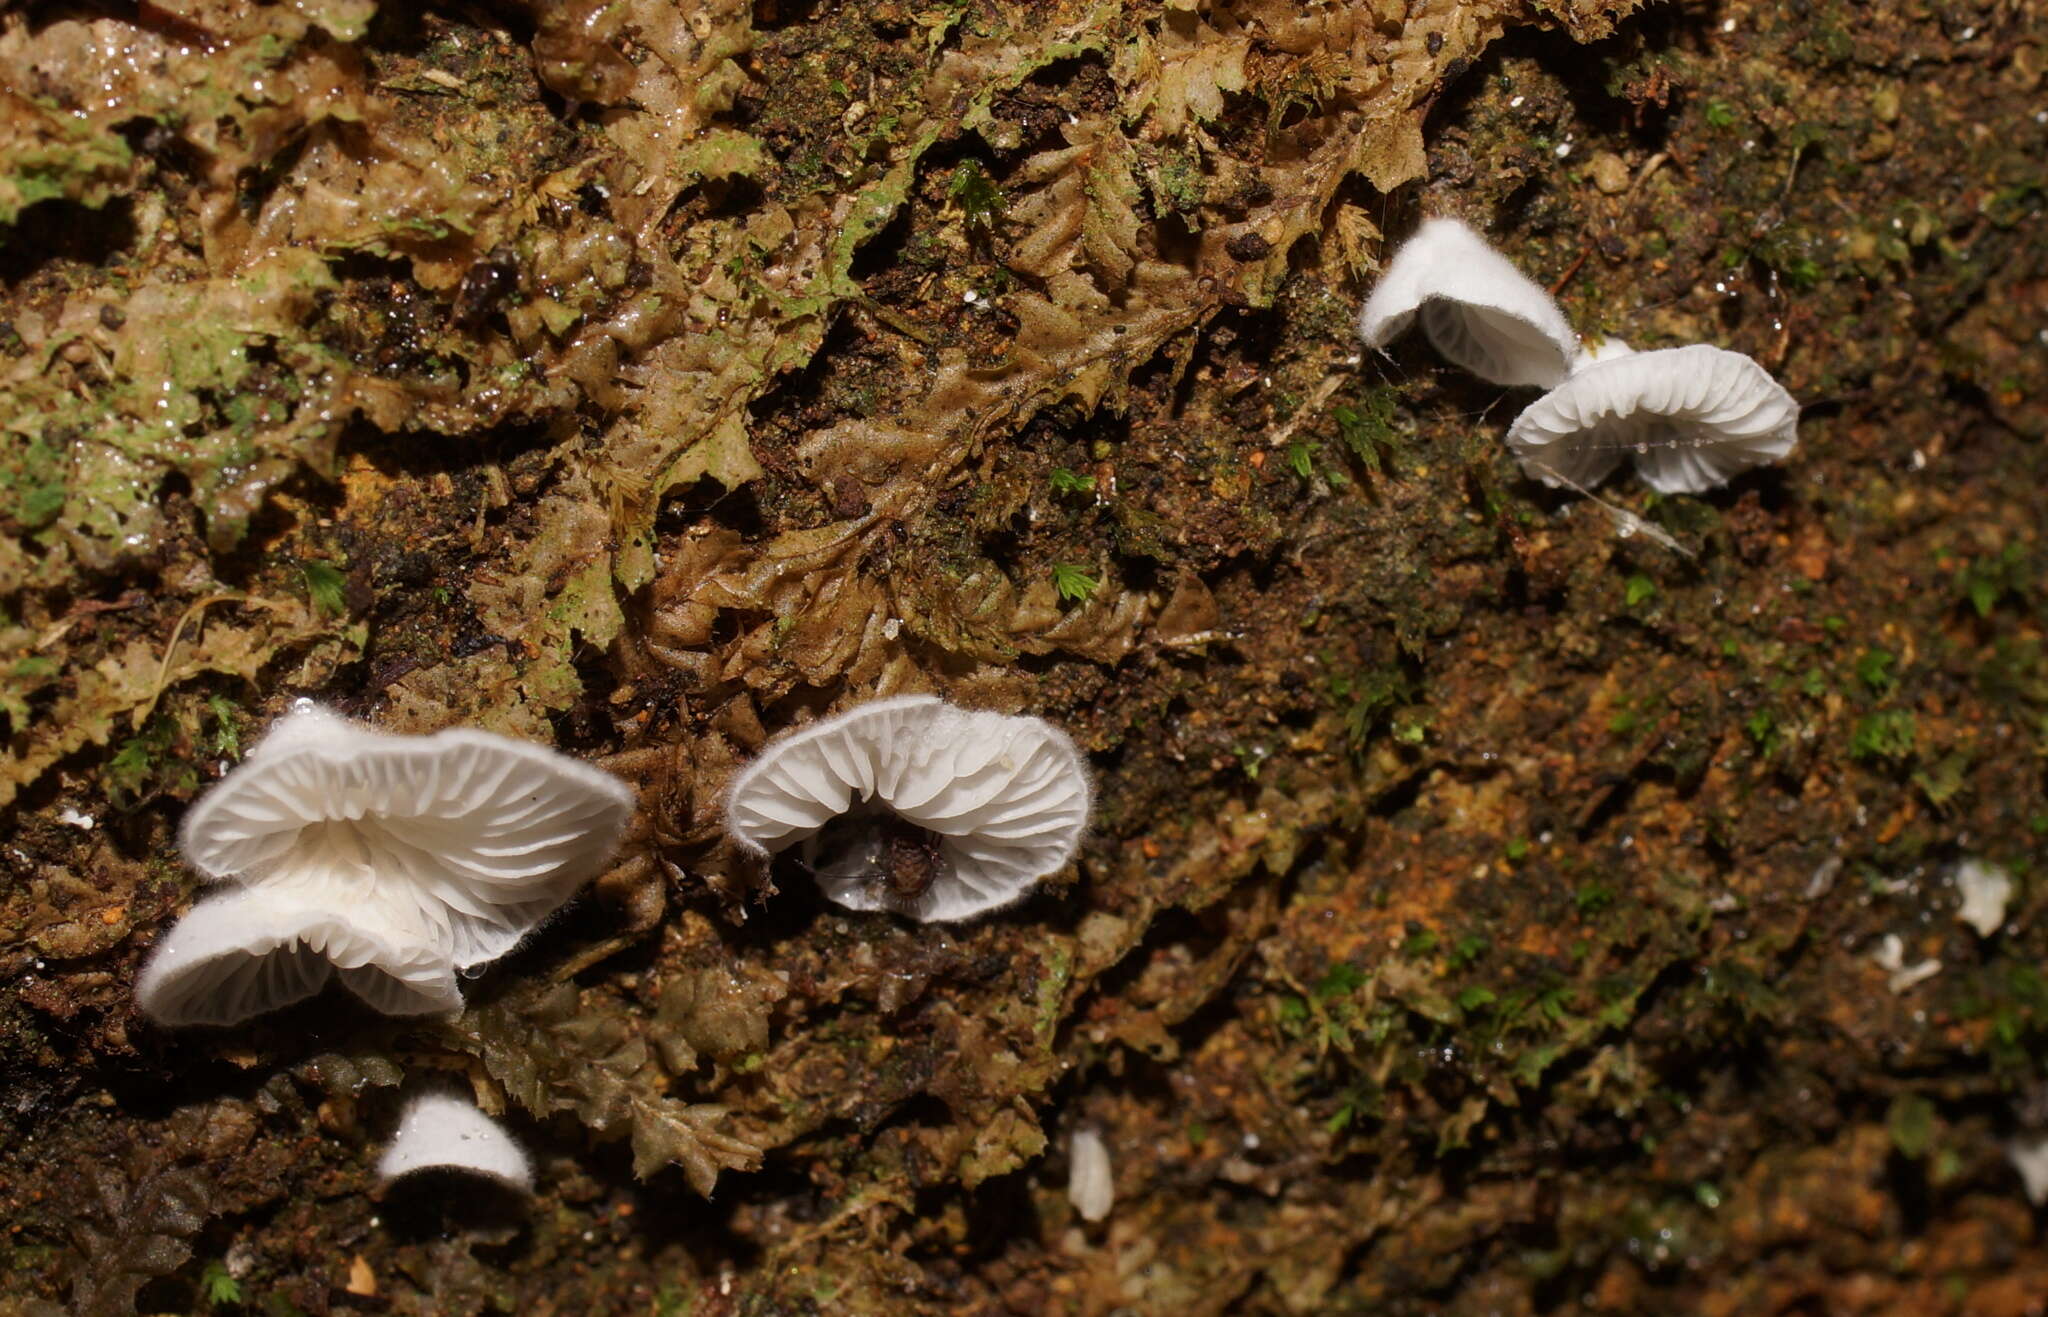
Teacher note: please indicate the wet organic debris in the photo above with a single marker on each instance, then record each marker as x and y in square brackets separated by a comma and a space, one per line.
[556, 1053]
[1479, 908]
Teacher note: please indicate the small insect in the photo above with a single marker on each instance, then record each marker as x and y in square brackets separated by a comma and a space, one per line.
[897, 859]
[910, 858]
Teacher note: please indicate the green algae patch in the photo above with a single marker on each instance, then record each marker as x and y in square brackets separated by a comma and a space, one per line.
[46, 155]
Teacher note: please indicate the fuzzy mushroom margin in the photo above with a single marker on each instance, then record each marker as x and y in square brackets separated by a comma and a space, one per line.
[1474, 306]
[1005, 798]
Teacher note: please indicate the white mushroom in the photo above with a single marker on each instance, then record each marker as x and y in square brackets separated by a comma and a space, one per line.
[1478, 310]
[442, 1132]
[1090, 1186]
[1986, 889]
[912, 805]
[1692, 417]
[2029, 1156]
[248, 951]
[460, 841]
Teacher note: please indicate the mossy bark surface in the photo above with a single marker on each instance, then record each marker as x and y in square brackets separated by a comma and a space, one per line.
[1484, 906]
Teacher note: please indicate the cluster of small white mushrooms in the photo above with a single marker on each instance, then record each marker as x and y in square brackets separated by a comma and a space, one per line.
[915, 806]
[391, 862]
[1692, 418]
[396, 862]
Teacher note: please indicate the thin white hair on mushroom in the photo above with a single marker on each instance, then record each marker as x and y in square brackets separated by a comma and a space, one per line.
[249, 951]
[463, 840]
[999, 802]
[1595, 351]
[1693, 418]
[439, 1131]
[1476, 308]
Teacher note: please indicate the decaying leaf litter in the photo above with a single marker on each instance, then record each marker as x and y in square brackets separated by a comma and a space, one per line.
[1479, 909]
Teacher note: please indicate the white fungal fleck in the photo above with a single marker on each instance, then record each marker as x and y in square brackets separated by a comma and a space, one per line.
[1475, 307]
[1986, 889]
[1563, 149]
[1891, 958]
[1091, 1187]
[2029, 1156]
[443, 1132]
[72, 818]
[1823, 878]
[915, 806]
[1692, 418]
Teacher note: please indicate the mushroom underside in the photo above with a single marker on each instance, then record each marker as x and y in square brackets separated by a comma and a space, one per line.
[390, 865]
[1494, 344]
[872, 858]
[228, 984]
[1673, 454]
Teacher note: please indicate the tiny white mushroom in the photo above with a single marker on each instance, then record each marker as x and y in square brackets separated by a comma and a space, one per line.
[947, 813]
[442, 1132]
[248, 951]
[1478, 310]
[2029, 1157]
[1090, 1186]
[1692, 417]
[1986, 889]
[461, 841]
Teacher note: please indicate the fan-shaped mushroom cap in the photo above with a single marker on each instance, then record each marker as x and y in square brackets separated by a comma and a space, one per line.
[462, 840]
[441, 1132]
[248, 951]
[1692, 417]
[1477, 309]
[1007, 798]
